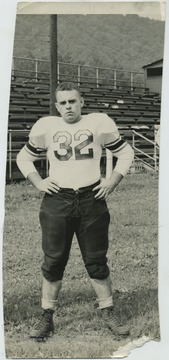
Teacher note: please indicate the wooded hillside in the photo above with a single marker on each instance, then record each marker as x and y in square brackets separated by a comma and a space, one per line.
[115, 41]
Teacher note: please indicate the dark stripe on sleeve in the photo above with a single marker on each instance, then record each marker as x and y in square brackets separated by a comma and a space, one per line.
[32, 149]
[116, 146]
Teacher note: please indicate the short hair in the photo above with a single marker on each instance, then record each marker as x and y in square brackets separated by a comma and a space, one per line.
[67, 86]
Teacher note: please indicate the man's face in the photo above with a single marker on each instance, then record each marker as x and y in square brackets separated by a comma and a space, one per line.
[69, 104]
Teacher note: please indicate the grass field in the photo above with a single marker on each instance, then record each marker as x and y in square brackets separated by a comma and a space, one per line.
[133, 262]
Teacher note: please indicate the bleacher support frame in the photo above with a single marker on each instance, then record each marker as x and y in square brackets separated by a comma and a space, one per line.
[148, 161]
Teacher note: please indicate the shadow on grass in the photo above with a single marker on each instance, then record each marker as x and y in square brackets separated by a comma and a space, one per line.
[136, 303]
[127, 305]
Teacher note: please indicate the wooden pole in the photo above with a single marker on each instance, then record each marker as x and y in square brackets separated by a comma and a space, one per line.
[53, 62]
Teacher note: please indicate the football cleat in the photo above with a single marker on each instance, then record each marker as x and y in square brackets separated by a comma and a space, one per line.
[112, 322]
[44, 327]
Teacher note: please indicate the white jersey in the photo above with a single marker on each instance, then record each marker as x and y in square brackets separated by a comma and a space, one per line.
[74, 150]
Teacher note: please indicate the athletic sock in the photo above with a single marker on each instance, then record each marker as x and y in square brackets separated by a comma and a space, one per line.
[50, 292]
[104, 303]
[48, 304]
[103, 292]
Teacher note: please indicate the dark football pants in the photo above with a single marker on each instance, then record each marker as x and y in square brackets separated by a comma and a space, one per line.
[69, 212]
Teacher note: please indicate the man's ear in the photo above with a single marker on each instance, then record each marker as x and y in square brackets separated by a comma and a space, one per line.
[56, 105]
[82, 101]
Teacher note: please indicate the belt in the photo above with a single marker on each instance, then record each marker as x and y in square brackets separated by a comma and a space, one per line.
[81, 190]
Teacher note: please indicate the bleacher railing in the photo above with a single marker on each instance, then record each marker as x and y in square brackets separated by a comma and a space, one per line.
[37, 69]
[148, 161]
[13, 150]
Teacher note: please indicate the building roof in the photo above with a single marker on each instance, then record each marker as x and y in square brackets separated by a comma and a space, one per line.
[152, 63]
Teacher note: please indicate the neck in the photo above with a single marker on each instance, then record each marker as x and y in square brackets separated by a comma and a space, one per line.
[73, 121]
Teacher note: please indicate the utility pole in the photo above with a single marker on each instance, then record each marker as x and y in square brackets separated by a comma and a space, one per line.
[53, 62]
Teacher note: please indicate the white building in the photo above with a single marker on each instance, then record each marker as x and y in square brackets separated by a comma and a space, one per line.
[153, 75]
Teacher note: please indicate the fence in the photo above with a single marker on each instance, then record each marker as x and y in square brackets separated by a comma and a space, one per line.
[37, 70]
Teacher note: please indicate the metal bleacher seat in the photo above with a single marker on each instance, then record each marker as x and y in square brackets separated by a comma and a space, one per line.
[85, 89]
[42, 91]
[151, 95]
[15, 126]
[155, 107]
[15, 95]
[145, 121]
[93, 105]
[94, 95]
[143, 102]
[88, 99]
[37, 110]
[13, 109]
[86, 110]
[125, 102]
[150, 114]
[102, 91]
[134, 114]
[124, 120]
[147, 146]
[108, 100]
[121, 107]
[131, 97]
[24, 102]
[113, 112]
[23, 117]
[39, 97]
[135, 107]
[149, 133]
[25, 90]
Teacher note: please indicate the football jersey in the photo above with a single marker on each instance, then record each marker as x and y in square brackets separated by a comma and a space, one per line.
[74, 150]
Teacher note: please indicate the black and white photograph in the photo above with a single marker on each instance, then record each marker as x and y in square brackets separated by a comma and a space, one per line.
[80, 234]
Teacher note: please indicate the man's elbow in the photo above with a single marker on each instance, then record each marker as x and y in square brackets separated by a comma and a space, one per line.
[19, 159]
[129, 152]
[132, 153]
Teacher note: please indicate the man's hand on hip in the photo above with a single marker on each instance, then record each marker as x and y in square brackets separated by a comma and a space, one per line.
[47, 185]
[107, 186]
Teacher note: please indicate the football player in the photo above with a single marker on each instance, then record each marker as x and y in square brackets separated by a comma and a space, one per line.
[74, 198]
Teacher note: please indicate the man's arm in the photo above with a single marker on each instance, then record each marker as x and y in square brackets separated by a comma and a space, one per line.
[25, 162]
[46, 185]
[125, 158]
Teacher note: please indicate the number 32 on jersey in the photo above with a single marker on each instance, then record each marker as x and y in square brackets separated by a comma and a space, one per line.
[66, 142]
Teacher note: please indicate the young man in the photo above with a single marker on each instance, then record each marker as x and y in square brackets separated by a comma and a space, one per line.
[74, 200]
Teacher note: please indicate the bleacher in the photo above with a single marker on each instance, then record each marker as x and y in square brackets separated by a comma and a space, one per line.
[138, 109]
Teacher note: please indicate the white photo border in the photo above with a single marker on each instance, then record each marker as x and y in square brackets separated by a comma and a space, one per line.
[152, 350]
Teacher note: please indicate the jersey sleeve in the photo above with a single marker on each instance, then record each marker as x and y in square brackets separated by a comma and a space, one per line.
[111, 140]
[37, 139]
[25, 162]
[110, 136]
[31, 151]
